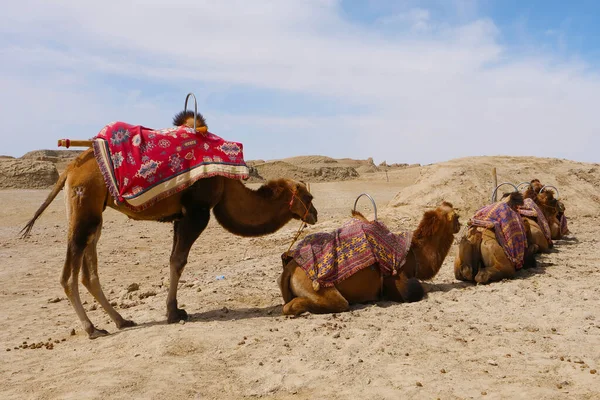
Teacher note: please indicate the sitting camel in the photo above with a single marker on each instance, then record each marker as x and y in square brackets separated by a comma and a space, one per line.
[553, 209]
[495, 245]
[238, 209]
[538, 229]
[390, 272]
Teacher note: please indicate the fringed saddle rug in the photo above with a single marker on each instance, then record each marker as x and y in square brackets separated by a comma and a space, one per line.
[142, 166]
[530, 209]
[508, 227]
[328, 258]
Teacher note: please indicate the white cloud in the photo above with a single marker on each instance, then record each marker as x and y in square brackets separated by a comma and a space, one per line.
[436, 92]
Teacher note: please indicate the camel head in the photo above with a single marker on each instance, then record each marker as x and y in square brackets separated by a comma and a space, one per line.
[549, 204]
[187, 118]
[442, 220]
[513, 199]
[296, 196]
[536, 185]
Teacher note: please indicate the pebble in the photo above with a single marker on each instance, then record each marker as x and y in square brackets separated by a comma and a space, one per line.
[419, 384]
[133, 287]
[492, 362]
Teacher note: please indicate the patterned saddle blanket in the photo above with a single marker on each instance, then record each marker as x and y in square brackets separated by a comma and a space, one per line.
[142, 166]
[530, 209]
[328, 258]
[508, 228]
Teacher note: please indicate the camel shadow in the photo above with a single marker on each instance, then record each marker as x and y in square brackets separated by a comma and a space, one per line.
[445, 287]
[567, 241]
[539, 269]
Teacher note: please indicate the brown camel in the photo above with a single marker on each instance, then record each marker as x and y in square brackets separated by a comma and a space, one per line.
[430, 244]
[552, 208]
[238, 209]
[482, 259]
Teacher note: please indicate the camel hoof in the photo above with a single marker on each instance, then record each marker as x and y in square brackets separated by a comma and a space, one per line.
[96, 333]
[126, 324]
[178, 315]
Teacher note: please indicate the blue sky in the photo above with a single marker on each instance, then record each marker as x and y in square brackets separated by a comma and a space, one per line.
[401, 81]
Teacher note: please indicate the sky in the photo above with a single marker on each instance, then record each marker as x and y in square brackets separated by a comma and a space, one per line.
[399, 81]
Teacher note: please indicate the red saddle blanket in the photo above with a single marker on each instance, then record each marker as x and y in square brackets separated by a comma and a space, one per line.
[530, 209]
[142, 166]
[508, 228]
[328, 258]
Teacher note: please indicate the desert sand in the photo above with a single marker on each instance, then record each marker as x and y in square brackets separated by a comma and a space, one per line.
[536, 336]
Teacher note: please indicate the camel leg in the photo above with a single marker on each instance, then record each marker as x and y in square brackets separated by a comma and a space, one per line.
[497, 265]
[185, 233]
[91, 281]
[466, 263]
[82, 232]
[85, 195]
[326, 300]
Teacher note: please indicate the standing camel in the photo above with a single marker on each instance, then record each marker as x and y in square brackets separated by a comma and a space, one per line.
[240, 210]
[429, 246]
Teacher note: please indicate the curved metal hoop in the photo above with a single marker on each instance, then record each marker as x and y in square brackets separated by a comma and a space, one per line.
[496, 189]
[372, 202]
[195, 107]
[550, 186]
[521, 184]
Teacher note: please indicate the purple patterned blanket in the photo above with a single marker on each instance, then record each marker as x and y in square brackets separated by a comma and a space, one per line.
[328, 258]
[530, 209]
[508, 227]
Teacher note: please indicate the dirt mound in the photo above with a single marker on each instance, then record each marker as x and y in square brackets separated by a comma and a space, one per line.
[310, 160]
[467, 183]
[279, 169]
[27, 174]
[52, 155]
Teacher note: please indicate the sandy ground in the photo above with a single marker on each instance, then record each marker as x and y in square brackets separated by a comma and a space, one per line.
[537, 336]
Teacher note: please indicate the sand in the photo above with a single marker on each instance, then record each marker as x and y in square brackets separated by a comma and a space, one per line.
[536, 336]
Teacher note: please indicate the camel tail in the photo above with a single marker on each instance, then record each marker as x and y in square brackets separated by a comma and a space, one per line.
[55, 190]
[411, 290]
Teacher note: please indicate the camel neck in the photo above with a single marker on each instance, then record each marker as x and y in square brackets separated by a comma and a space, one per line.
[430, 252]
[246, 212]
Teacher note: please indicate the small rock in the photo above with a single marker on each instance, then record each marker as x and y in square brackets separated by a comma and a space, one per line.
[337, 335]
[492, 362]
[592, 371]
[578, 361]
[182, 322]
[225, 310]
[72, 332]
[133, 287]
[419, 384]
[484, 393]
[443, 371]
[260, 363]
